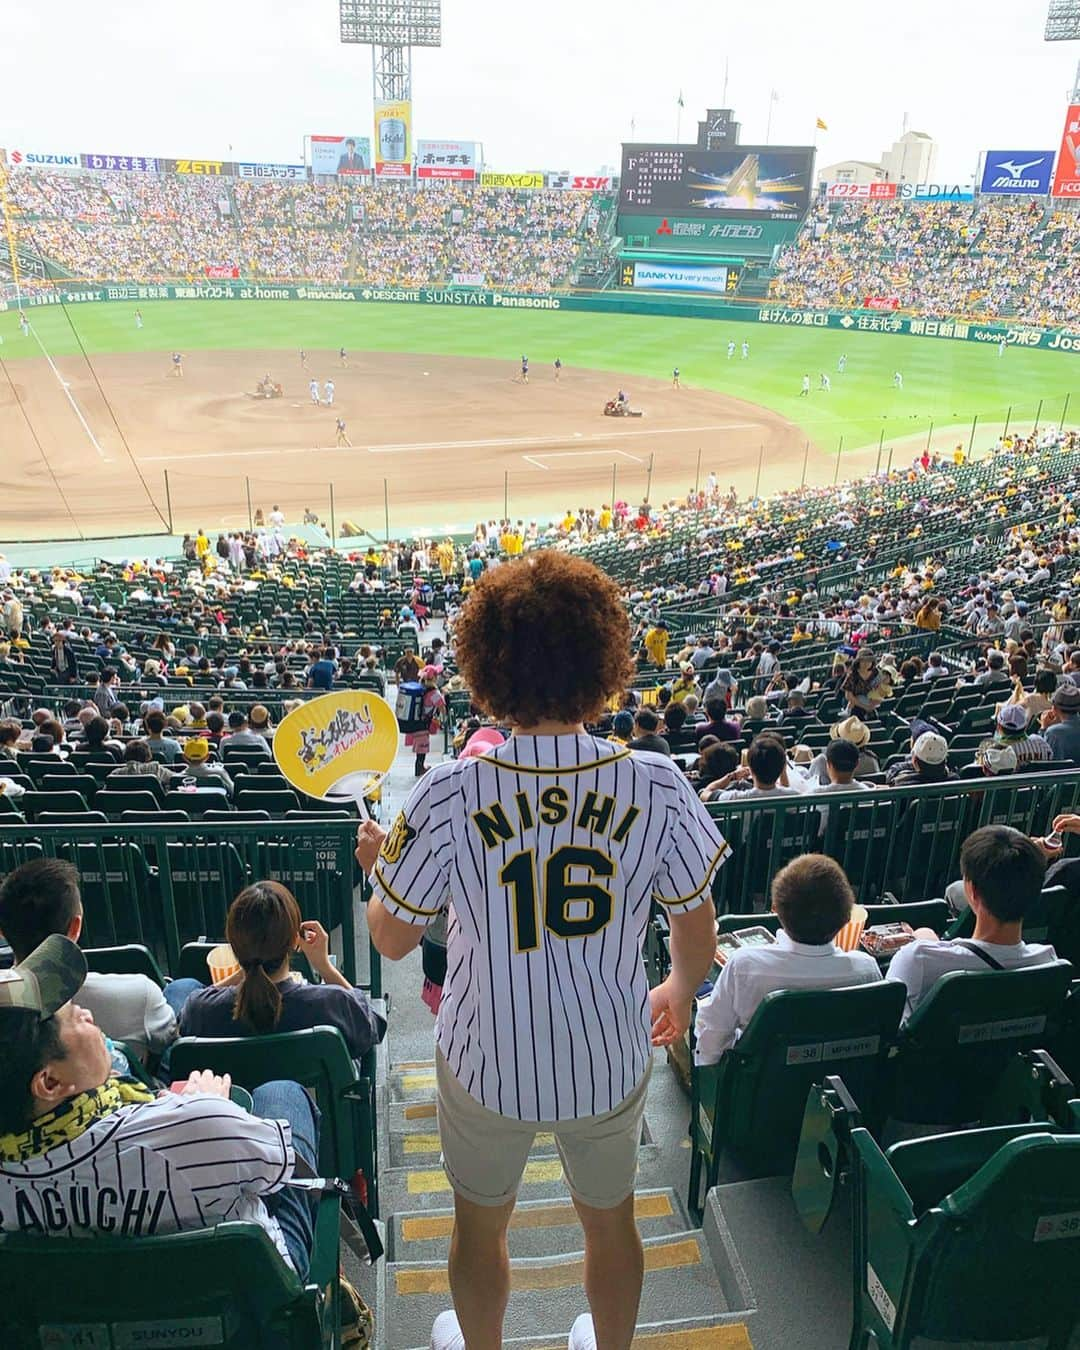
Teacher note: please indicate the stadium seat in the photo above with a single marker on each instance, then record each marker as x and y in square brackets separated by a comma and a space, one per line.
[206, 876]
[276, 801]
[230, 1275]
[319, 1060]
[128, 959]
[32, 803]
[749, 1107]
[114, 802]
[952, 1051]
[72, 818]
[197, 803]
[216, 813]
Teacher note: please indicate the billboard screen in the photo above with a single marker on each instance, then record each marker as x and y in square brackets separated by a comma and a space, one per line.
[454, 160]
[1017, 172]
[339, 154]
[761, 182]
[393, 139]
[1067, 177]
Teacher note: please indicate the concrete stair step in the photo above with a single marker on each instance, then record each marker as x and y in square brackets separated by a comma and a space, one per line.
[416, 1148]
[418, 1190]
[412, 1082]
[537, 1228]
[548, 1294]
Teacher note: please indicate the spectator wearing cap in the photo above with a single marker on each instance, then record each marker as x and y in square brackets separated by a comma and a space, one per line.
[795, 710]
[857, 733]
[241, 734]
[1011, 729]
[197, 766]
[1061, 724]
[685, 684]
[995, 757]
[720, 686]
[929, 759]
[622, 727]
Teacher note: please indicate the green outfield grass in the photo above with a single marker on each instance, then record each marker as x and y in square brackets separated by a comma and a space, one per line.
[945, 382]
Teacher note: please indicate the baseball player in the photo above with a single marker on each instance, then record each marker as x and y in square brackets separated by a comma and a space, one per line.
[524, 370]
[177, 365]
[342, 439]
[138, 318]
[24, 324]
[675, 379]
[745, 350]
[343, 358]
[546, 853]
[558, 367]
[731, 349]
[825, 384]
[898, 380]
[841, 365]
[303, 359]
[328, 390]
[313, 390]
[804, 392]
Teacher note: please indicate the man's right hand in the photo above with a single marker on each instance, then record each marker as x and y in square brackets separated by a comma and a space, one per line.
[670, 1006]
[205, 1082]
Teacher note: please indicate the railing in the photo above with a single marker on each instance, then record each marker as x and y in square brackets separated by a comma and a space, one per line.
[166, 885]
[905, 840]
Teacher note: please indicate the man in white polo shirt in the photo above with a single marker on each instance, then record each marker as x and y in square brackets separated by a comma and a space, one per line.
[547, 852]
[1003, 873]
[812, 898]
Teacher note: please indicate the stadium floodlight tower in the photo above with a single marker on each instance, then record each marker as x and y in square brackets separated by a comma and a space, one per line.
[391, 28]
[1063, 21]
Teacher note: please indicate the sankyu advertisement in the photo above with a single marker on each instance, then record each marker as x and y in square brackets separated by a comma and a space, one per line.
[1015, 173]
[393, 138]
[906, 192]
[330, 156]
[648, 276]
[530, 181]
[1067, 178]
[456, 161]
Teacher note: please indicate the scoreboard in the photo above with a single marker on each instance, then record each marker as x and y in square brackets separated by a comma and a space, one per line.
[760, 182]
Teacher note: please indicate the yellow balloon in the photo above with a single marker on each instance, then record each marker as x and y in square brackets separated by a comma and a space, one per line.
[352, 735]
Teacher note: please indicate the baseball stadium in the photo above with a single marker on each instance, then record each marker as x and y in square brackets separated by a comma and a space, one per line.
[501, 673]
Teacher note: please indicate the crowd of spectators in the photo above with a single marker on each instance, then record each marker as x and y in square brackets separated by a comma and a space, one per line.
[157, 227]
[995, 258]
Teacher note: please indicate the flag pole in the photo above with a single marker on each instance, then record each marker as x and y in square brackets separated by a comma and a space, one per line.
[678, 118]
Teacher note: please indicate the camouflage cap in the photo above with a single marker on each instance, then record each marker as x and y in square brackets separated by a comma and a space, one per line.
[49, 977]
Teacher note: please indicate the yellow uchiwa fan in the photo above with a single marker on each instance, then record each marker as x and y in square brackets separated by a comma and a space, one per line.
[339, 746]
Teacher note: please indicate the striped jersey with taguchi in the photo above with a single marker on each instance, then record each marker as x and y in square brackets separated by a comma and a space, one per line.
[548, 852]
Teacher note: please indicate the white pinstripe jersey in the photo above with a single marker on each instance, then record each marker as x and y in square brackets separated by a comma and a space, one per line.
[173, 1164]
[548, 852]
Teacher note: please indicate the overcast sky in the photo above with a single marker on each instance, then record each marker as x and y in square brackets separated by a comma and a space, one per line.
[543, 86]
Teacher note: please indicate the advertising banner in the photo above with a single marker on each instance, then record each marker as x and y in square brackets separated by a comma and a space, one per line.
[579, 182]
[1067, 177]
[661, 276]
[1017, 172]
[839, 192]
[881, 302]
[125, 163]
[333, 155]
[468, 279]
[288, 172]
[512, 180]
[222, 271]
[454, 160]
[393, 139]
[42, 159]
[734, 238]
[213, 168]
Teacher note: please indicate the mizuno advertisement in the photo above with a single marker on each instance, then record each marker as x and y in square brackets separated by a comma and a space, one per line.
[1016, 173]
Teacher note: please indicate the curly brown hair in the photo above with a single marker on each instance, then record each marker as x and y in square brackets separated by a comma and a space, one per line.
[544, 638]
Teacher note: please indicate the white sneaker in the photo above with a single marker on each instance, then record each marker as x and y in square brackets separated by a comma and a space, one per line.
[582, 1334]
[446, 1332]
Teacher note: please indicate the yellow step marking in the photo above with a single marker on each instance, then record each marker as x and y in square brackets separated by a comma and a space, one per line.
[429, 1143]
[408, 1064]
[420, 1111]
[427, 1183]
[416, 1082]
[563, 1275]
[732, 1336]
[423, 1229]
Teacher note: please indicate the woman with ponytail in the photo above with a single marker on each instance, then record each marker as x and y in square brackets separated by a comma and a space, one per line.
[264, 928]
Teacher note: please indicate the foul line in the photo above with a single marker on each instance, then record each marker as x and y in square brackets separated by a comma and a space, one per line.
[569, 438]
[572, 454]
[70, 397]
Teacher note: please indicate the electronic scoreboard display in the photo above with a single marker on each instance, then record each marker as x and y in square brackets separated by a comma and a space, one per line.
[757, 182]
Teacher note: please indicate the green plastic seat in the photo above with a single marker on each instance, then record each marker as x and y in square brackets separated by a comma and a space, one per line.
[966, 1238]
[129, 959]
[226, 1286]
[749, 1107]
[319, 1060]
[954, 1048]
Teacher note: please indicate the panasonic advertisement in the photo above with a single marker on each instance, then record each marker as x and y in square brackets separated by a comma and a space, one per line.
[1018, 173]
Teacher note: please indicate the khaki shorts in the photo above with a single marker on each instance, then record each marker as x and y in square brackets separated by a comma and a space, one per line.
[484, 1154]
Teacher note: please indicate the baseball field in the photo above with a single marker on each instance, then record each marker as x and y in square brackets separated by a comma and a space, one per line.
[101, 436]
